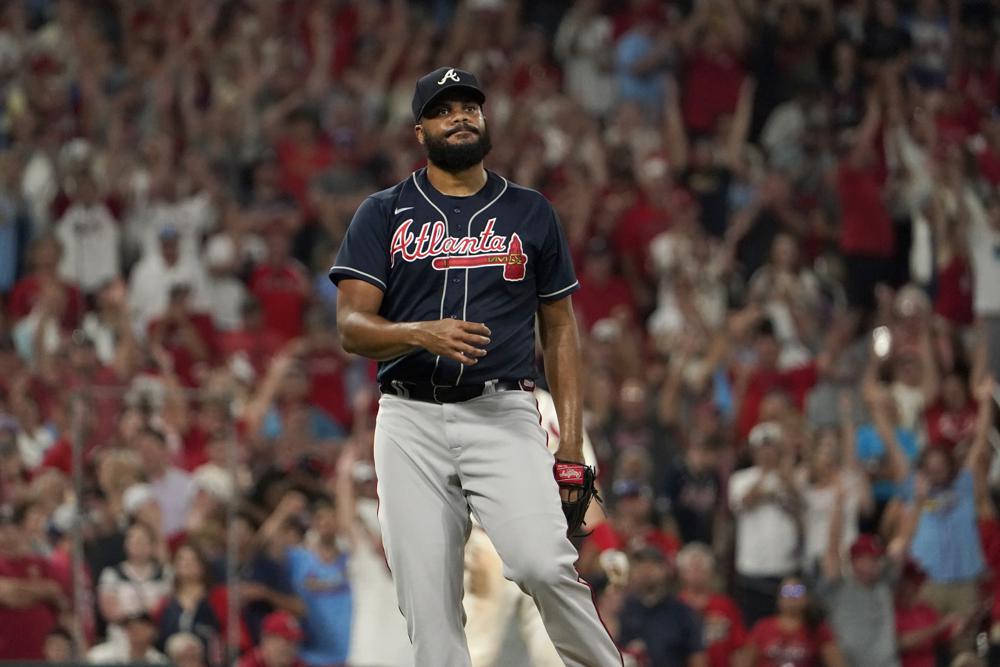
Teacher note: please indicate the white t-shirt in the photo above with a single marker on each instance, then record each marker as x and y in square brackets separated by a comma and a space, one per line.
[91, 246]
[174, 491]
[378, 631]
[819, 514]
[766, 535]
[984, 249]
[150, 284]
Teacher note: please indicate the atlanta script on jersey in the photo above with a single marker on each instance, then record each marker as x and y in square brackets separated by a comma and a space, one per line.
[489, 257]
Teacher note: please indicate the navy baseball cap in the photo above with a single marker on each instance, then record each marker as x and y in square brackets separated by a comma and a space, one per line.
[431, 85]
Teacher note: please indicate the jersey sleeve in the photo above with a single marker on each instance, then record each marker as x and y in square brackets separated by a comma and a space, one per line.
[555, 277]
[364, 253]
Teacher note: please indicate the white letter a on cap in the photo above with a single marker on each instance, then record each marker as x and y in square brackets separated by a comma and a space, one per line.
[450, 74]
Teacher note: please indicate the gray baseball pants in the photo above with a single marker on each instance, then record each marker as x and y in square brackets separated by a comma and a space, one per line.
[435, 464]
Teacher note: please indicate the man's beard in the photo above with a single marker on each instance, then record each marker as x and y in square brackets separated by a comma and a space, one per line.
[454, 158]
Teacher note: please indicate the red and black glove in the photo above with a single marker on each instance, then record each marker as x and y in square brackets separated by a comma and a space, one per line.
[577, 486]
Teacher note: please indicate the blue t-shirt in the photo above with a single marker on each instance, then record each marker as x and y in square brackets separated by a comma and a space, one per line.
[644, 89]
[490, 257]
[946, 543]
[871, 449]
[326, 592]
[321, 427]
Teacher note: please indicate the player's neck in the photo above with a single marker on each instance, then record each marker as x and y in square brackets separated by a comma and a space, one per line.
[457, 184]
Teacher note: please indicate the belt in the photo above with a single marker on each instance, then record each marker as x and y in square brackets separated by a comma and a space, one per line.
[434, 394]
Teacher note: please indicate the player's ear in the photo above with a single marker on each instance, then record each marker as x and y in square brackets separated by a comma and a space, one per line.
[418, 130]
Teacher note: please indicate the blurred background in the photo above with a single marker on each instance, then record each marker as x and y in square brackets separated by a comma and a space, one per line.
[785, 220]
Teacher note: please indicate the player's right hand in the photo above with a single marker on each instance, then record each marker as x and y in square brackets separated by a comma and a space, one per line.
[458, 340]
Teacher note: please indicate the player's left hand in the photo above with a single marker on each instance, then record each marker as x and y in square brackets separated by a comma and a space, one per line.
[577, 486]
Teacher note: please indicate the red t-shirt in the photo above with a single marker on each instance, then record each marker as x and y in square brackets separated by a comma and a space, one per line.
[711, 89]
[258, 346]
[595, 301]
[953, 300]
[175, 343]
[865, 225]
[779, 647]
[299, 163]
[606, 537]
[918, 617]
[25, 294]
[254, 659]
[989, 165]
[723, 626]
[989, 539]
[327, 391]
[32, 623]
[635, 230]
[283, 294]
[796, 382]
[950, 428]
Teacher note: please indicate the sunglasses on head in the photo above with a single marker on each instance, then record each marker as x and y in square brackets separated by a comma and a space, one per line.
[792, 591]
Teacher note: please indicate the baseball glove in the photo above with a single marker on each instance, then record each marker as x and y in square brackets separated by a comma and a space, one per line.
[577, 486]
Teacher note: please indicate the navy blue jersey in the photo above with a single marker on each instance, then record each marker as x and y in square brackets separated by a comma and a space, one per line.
[490, 257]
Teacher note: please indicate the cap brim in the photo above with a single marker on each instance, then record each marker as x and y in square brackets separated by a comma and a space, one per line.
[476, 93]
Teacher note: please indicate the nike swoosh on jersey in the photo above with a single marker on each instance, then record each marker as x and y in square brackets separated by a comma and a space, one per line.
[400, 210]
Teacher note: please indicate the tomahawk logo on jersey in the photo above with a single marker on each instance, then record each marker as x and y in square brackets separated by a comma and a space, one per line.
[488, 257]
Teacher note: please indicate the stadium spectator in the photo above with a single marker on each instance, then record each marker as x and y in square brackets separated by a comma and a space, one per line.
[185, 650]
[655, 626]
[188, 609]
[136, 585]
[30, 597]
[280, 639]
[725, 635]
[135, 647]
[766, 504]
[794, 636]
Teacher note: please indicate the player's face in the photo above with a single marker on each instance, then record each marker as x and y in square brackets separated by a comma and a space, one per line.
[453, 132]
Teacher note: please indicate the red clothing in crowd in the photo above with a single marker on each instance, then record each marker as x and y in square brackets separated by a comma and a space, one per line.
[865, 225]
[711, 88]
[606, 537]
[300, 162]
[779, 647]
[259, 346]
[33, 622]
[953, 300]
[989, 538]
[796, 382]
[176, 344]
[283, 292]
[919, 617]
[635, 230]
[255, 659]
[327, 389]
[26, 291]
[989, 165]
[948, 428]
[597, 301]
[722, 623]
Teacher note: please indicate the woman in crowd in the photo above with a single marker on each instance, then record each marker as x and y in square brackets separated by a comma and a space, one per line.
[135, 585]
[188, 609]
[795, 636]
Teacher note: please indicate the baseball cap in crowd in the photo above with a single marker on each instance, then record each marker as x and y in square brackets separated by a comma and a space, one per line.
[282, 624]
[169, 233]
[440, 80]
[764, 433]
[866, 545]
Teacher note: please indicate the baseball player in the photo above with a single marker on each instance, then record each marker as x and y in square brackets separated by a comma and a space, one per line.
[440, 279]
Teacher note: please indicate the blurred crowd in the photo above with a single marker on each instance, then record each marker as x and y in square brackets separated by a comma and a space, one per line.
[786, 223]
